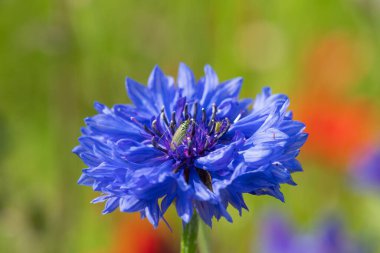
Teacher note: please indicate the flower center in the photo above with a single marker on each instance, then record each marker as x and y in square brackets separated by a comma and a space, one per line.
[192, 136]
[187, 135]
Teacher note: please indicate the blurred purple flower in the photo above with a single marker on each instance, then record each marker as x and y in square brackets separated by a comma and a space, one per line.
[365, 167]
[194, 144]
[279, 236]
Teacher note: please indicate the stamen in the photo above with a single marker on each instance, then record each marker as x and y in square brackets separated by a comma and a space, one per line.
[148, 130]
[186, 111]
[155, 129]
[158, 146]
[189, 145]
[134, 120]
[195, 110]
[173, 119]
[206, 143]
[172, 127]
[192, 133]
[203, 115]
[163, 115]
[214, 111]
[184, 138]
[228, 124]
[212, 125]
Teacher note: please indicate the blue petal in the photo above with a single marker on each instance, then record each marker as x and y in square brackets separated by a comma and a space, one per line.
[266, 98]
[201, 192]
[282, 174]
[248, 125]
[228, 89]
[221, 211]
[218, 159]
[143, 189]
[162, 90]
[86, 180]
[235, 198]
[90, 159]
[231, 108]
[291, 127]
[111, 205]
[107, 124]
[141, 97]
[184, 207]
[101, 198]
[128, 111]
[100, 108]
[144, 155]
[252, 181]
[178, 108]
[131, 204]
[268, 112]
[293, 165]
[257, 155]
[271, 136]
[153, 213]
[297, 142]
[167, 201]
[204, 211]
[186, 81]
[273, 191]
[210, 83]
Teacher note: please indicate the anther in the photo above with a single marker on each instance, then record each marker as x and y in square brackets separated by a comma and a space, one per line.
[186, 111]
[189, 144]
[163, 115]
[203, 115]
[155, 129]
[195, 110]
[172, 127]
[212, 124]
[148, 130]
[214, 111]
[192, 133]
[173, 119]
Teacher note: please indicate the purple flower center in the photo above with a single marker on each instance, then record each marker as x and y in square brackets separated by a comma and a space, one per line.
[192, 136]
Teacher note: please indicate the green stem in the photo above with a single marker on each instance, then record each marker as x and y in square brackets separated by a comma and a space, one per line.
[203, 238]
[190, 236]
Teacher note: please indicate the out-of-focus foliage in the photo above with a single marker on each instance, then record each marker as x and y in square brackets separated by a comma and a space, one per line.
[57, 57]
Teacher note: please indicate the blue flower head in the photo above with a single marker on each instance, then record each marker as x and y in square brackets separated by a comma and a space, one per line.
[193, 144]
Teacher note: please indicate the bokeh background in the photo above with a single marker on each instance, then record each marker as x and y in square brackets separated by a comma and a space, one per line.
[59, 56]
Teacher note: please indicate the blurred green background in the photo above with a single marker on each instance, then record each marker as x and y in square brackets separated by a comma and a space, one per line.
[59, 56]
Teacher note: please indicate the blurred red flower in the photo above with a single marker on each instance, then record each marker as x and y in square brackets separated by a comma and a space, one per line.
[134, 235]
[338, 124]
[337, 128]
